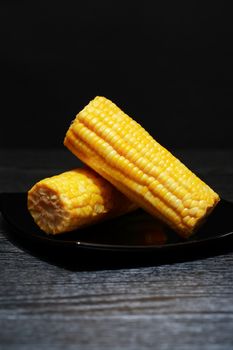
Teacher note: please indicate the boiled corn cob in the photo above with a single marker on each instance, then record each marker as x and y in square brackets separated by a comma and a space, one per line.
[120, 150]
[74, 199]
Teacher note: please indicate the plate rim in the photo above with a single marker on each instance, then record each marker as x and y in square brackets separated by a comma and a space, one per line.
[101, 246]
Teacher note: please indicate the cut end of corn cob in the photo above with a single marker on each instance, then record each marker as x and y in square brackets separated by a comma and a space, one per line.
[120, 150]
[75, 199]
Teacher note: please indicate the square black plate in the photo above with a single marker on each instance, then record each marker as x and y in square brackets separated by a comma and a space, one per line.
[137, 232]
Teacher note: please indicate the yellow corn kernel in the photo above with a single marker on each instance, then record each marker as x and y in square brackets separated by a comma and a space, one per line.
[120, 150]
[74, 199]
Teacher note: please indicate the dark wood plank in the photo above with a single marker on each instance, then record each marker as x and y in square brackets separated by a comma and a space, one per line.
[186, 305]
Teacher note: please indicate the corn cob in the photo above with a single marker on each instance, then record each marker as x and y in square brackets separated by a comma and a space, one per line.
[120, 150]
[75, 199]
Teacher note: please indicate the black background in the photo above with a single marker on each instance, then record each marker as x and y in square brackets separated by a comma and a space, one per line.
[168, 64]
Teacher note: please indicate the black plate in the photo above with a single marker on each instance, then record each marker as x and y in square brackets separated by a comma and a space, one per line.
[134, 232]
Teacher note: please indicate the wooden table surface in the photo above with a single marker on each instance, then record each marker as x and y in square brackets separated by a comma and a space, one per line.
[45, 305]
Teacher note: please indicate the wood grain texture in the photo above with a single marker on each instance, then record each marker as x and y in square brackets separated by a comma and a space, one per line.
[186, 305]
